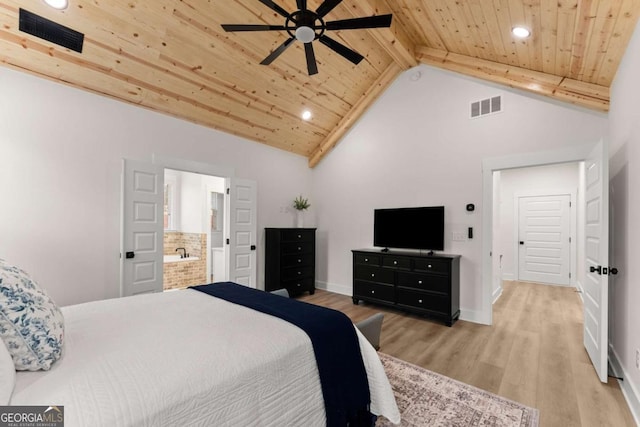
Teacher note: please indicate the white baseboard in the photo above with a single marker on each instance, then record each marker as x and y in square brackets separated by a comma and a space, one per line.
[508, 276]
[335, 288]
[497, 294]
[473, 316]
[629, 389]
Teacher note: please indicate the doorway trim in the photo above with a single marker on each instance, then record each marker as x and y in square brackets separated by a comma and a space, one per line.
[195, 167]
[181, 165]
[576, 153]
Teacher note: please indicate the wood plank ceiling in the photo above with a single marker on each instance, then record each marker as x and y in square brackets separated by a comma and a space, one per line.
[173, 57]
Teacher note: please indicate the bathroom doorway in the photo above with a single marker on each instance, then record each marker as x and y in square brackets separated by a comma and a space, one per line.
[143, 226]
[193, 241]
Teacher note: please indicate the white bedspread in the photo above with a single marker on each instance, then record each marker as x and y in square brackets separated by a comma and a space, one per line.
[186, 358]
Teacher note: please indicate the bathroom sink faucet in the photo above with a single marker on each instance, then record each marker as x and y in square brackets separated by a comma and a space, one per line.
[184, 252]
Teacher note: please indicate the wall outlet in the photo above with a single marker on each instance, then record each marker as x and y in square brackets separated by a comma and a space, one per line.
[637, 359]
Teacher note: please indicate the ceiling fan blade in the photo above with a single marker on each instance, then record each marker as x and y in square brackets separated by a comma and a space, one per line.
[234, 27]
[271, 5]
[312, 65]
[327, 7]
[302, 4]
[377, 21]
[269, 59]
[338, 47]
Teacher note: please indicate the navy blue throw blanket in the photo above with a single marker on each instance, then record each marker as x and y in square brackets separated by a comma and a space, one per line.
[342, 373]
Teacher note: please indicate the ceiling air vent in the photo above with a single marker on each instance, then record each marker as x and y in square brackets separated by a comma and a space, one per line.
[486, 106]
[50, 31]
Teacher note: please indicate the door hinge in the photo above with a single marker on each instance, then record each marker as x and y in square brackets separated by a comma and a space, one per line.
[569, 204]
[569, 275]
[227, 241]
[569, 239]
[228, 191]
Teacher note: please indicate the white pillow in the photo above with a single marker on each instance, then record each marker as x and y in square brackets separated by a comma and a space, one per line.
[31, 325]
[7, 375]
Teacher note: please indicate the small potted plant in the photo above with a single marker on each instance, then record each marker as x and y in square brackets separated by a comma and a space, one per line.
[300, 204]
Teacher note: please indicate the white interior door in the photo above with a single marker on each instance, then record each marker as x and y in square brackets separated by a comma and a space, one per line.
[544, 233]
[142, 228]
[597, 258]
[243, 231]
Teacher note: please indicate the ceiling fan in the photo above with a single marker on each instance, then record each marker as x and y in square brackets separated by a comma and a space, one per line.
[306, 26]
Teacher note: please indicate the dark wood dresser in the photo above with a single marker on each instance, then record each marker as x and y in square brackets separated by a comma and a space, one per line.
[290, 260]
[424, 284]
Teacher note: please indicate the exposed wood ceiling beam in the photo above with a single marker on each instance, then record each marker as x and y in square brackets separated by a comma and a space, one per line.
[367, 99]
[584, 94]
[393, 40]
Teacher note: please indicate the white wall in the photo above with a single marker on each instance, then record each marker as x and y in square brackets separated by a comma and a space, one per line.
[625, 203]
[533, 180]
[60, 163]
[417, 147]
[193, 201]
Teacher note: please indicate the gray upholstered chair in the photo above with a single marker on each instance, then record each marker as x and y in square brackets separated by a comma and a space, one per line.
[282, 292]
[370, 328]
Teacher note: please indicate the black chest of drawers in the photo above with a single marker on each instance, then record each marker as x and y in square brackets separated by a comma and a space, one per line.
[290, 260]
[423, 284]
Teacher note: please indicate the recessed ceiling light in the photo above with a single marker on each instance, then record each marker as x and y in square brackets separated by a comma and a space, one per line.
[306, 115]
[521, 32]
[57, 4]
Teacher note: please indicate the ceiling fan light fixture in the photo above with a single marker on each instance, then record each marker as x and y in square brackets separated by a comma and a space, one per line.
[521, 32]
[307, 26]
[305, 34]
[57, 4]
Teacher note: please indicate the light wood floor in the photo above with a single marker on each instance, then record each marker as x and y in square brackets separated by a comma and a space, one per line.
[532, 354]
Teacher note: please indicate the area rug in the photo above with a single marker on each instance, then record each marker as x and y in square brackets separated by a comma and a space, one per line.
[429, 399]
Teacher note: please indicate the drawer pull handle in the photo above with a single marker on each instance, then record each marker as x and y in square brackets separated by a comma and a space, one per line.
[299, 285]
[373, 274]
[366, 260]
[420, 301]
[420, 282]
[395, 262]
[373, 292]
[299, 236]
[299, 273]
[299, 260]
[429, 266]
[299, 248]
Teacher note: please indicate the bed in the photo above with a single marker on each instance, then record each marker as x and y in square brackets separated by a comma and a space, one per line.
[186, 358]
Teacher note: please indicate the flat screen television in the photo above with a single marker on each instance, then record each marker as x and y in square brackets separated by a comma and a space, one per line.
[409, 228]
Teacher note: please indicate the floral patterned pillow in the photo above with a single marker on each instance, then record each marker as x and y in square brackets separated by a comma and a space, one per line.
[31, 325]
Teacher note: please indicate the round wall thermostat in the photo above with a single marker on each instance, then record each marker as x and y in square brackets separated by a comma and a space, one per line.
[471, 207]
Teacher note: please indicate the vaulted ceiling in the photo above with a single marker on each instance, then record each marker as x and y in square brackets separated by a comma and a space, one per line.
[172, 56]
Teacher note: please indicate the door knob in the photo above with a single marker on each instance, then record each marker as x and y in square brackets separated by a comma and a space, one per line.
[130, 255]
[521, 242]
[613, 270]
[597, 269]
